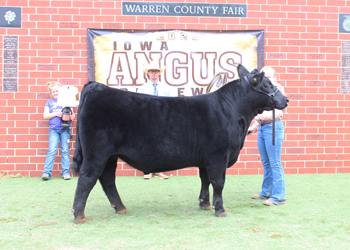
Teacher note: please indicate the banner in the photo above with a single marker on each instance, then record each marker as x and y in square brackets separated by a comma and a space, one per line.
[192, 58]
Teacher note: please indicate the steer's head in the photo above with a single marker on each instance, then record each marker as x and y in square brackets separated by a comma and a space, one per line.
[262, 85]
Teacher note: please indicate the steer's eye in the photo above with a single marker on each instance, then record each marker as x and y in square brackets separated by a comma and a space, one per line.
[268, 86]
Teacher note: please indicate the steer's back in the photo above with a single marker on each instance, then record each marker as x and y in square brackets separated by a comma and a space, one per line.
[150, 133]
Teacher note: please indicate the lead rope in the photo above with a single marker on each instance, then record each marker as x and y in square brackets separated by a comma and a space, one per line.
[273, 127]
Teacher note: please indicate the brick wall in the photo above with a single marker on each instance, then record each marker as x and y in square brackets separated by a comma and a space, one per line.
[302, 43]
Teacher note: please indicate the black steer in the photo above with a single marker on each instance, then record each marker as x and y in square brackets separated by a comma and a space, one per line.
[156, 134]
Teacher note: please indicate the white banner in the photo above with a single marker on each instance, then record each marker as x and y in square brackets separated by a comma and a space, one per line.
[192, 59]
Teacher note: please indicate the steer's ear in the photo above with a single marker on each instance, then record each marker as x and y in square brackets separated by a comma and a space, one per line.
[242, 71]
[255, 71]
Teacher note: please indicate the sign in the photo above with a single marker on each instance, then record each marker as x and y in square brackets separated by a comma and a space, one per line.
[11, 17]
[68, 96]
[344, 23]
[10, 63]
[116, 57]
[183, 9]
[345, 70]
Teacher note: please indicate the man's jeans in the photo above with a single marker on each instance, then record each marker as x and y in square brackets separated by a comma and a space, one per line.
[56, 136]
[274, 183]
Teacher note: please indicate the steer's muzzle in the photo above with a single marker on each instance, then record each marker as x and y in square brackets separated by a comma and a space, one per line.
[281, 101]
[287, 101]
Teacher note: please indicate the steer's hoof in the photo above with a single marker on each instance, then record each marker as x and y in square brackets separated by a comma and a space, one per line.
[80, 220]
[121, 211]
[205, 207]
[221, 214]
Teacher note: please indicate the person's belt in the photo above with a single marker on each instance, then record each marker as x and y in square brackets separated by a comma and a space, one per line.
[268, 121]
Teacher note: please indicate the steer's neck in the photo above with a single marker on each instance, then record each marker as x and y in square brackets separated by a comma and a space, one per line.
[241, 102]
[242, 98]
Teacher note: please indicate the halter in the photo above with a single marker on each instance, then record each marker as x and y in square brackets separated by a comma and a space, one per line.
[271, 96]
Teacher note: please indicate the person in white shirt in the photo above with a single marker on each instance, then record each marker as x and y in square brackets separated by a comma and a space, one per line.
[154, 87]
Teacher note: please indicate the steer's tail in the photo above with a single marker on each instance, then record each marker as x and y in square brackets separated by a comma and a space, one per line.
[78, 153]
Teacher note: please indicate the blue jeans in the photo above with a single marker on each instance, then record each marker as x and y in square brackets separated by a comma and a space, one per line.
[274, 183]
[56, 136]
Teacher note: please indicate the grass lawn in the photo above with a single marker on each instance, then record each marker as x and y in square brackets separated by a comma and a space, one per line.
[164, 214]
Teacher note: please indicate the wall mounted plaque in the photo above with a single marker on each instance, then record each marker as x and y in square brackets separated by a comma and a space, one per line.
[11, 17]
[10, 64]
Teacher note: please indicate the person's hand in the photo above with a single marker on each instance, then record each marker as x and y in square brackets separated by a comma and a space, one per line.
[250, 131]
[59, 114]
[72, 117]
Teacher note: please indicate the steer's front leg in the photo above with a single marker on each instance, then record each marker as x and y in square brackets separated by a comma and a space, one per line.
[218, 202]
[217, 180]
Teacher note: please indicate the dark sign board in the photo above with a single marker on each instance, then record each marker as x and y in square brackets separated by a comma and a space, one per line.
[184, 9]
[344, 23]
[10, 17]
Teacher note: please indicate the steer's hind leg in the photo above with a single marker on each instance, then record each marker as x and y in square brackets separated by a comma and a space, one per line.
[204, 194]
[107, 180]
[88, 176]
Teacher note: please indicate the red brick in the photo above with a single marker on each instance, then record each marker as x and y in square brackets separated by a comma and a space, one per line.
[63, 46]
[81, 18]
[82, 4]
[109, 19]
[25, 123]
[333, 150]
[248, 171]
[7, 152]
[18, 117]
[187, 172]
[307, 170]
[68, 11]
[232, 171]
[343, 170]
[39, 3]
[41, 159]
[6, 110]
[291, 171]
[7, 138]
[106, 5]
[125, 172]
[6, 124]
[330, 170]
[62, 74]
[61, 4]
[18, 131]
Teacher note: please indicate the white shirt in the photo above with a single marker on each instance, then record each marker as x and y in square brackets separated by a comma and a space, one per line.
[148, 88]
